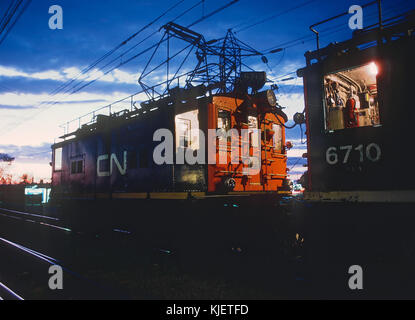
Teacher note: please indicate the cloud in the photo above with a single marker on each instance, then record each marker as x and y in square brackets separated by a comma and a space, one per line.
[293, 103]
[296, 152]
[66, 74]
[27, 152]
[48, 74]
[11, 100]
[16, 107]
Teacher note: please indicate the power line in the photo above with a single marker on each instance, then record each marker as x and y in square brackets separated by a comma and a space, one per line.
[7, 12]
[152, 47]
[9, 17]
[129, 50]
[135, 56]
[334, 29]
[292, 42]
[213, 13]
[117, 47]
[275, 15]
[14, 22]
[328, 31]
[60, 88]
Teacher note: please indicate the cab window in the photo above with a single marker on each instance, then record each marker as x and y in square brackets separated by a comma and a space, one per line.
[77, 166]
[58, 159]
[224, 120]
[187, 130]
[351, 98]
[277, 138]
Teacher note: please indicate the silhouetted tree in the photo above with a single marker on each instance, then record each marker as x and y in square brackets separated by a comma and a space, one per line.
[24, 179]
[6, 158]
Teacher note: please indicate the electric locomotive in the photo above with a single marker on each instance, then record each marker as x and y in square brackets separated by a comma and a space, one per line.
[206, 160]
[105, 176]
[359, 192]
[359, 114]
[113, 158]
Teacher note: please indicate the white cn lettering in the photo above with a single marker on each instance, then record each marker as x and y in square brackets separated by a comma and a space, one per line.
[113, 159]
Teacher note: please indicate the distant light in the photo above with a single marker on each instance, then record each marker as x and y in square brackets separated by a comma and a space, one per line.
[122, 231]
[373, 69]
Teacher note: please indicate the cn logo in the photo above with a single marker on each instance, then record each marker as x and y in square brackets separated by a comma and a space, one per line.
[356, 280]
[113, 159]
[356, 20]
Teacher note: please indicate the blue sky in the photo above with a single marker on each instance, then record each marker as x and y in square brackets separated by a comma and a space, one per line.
[35, 60]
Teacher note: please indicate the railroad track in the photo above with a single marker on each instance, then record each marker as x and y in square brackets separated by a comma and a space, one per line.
[56, 244]
[8, 294]
[22, 259]
[33, 218]
[76, 285]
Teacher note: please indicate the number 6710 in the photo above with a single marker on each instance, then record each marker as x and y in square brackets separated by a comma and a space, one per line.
[372, 153]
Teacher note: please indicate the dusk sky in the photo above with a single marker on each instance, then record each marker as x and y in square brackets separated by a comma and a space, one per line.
[35, 60]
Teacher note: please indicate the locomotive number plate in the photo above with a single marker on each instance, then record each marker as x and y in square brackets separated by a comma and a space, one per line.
[371, 152]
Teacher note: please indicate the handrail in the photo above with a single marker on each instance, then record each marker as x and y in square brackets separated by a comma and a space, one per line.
[93, 113]
[312, 27]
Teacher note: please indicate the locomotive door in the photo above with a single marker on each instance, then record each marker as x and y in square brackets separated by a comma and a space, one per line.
[188, 170]
[58, 177]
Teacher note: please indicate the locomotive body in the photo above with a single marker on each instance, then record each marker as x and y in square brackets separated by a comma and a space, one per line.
[359, 115]
[113, 157]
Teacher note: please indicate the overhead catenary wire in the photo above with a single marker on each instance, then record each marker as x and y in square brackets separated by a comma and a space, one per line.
[129, 50]
[77, 88]
[109, 53]
[49, 104]
[276, 15]
[15, 21]
[277, 77]
[6, 14]
[328, 31]
[204, 17]
[268, 19]
[137, 55]
[10, 15]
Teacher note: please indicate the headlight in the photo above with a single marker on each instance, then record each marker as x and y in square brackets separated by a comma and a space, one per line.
[271, 98]
[267, 97]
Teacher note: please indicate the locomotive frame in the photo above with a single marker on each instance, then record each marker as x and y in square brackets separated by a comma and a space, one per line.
[359, 162]
[113, 157]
